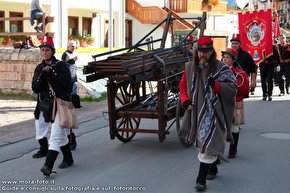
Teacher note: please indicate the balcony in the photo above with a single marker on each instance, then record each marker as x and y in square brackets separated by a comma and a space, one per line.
[152, 14]
[194, 6]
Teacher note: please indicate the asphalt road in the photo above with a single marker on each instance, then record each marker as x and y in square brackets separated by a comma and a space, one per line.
[146, 165]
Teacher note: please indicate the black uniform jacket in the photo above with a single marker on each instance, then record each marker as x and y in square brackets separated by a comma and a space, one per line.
[284, 51]
[246, 61]
[272, 61]
[59, 78]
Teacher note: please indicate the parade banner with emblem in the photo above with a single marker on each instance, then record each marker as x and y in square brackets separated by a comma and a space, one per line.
[255, 29]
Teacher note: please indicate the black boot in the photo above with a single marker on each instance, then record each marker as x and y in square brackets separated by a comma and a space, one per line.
[67, 157]
[233, 147]
[212, 171]
[201, 179]
[49, 162]
[218, 161]
[43, 148]
[72, 140]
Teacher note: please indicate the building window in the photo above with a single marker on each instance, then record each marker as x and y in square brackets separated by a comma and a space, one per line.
[128, 31]
[73, 26]
[2, 23]
[16, 26]
[87, 26]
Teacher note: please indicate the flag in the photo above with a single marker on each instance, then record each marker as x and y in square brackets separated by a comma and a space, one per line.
[276, 26]
[255, 30]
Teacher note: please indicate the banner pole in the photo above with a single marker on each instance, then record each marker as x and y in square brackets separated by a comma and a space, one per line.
[203, 24]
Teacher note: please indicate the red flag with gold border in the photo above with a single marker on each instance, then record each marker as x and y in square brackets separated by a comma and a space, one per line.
[255, 29]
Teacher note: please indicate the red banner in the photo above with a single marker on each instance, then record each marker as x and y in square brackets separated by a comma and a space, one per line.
[255, 29]
[276, 26]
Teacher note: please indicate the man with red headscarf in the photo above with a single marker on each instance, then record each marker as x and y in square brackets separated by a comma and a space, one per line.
[207, 93]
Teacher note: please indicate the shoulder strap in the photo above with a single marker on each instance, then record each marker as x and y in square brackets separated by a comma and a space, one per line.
[54, 103]
[53, 93]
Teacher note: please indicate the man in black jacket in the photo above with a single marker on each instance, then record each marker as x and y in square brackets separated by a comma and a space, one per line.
[267, 70]
[284, 71]
[51, 77]
[245, 60]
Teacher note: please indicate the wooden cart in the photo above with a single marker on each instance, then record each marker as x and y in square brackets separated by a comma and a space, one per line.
[130, 76]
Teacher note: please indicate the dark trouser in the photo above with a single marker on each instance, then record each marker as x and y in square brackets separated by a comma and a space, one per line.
[233, 147]
[67, 155]
[284, 71]
[267, 75]
[201, 178]
[72, 140]
[212, 171]
[43, 148]
[49, 162]
[276, 78]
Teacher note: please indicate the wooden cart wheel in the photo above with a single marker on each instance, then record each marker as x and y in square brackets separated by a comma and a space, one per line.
[128, 93]
[179, 114]
[127, 124]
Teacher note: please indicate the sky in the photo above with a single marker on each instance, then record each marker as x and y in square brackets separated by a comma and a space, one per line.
[231, 2]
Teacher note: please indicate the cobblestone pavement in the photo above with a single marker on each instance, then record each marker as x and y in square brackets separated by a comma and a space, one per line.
[17, 118]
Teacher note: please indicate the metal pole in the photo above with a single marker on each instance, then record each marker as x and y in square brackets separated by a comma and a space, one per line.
[110, 30]
[269, 5]
[165, 31]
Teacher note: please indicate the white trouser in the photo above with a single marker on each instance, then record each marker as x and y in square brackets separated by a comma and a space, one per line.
[235, 128]
[41, 127]
[209, 159]
[58, 135]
